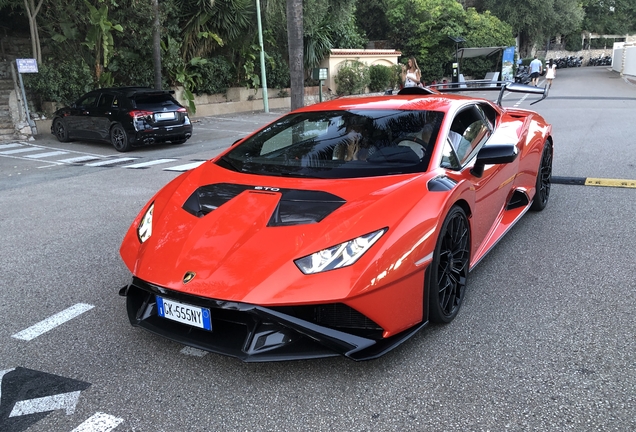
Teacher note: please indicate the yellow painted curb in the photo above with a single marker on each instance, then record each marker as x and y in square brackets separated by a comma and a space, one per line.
[610, 182]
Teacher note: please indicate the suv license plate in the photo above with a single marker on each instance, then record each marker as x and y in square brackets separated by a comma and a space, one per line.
[184, 313]
[164, 116]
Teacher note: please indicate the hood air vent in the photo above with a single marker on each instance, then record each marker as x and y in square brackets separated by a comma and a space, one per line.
[296, 207]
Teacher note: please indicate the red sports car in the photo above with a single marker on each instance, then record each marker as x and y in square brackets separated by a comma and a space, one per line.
[339, 229]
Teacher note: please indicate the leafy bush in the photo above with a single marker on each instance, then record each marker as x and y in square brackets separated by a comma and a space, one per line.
[216, 76]
[62, 82]
[276, 69]
[380, 77]
[352, 78]
[129, 68]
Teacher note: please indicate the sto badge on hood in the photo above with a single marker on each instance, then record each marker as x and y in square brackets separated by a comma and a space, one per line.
[188, 277]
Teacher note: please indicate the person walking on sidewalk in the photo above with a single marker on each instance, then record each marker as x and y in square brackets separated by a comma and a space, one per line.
[535, 70]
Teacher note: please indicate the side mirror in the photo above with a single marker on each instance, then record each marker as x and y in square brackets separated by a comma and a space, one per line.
[495, 154]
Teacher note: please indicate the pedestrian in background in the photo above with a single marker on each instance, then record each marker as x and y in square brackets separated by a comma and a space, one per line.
[411, 74]
[535, 71]
[550, 72]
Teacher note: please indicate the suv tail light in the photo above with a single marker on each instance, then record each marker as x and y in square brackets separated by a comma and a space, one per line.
[136, 114]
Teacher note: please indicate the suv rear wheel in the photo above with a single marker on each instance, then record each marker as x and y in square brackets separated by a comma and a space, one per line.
[119, 139]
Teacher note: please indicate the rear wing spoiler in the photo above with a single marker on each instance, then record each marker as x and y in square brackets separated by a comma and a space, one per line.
[481, 85]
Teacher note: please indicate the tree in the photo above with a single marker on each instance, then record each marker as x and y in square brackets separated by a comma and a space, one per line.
[295, 44]
[534, 21]
[156, 44]
[616, 17]
[32, 11]
[99, 38]
[372, 19]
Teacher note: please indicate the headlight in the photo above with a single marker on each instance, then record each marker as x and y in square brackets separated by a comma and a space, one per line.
[144, 230]
[341, 255]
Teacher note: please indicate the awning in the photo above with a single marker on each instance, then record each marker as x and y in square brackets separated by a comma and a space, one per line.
[478, 52]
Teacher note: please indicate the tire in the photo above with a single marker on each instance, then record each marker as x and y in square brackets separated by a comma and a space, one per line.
[449, 270]
[119, 138]
[544, 179]
[60, 130]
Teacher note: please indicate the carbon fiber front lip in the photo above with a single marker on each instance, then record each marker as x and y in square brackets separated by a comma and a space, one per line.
[249, 332]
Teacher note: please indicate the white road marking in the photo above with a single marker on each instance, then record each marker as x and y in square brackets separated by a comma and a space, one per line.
[20, 150]
[65, 401]
[185, 167]
[52, 322]
[193, 352]
[11, 145]
[110, 162]
[149, 163]
[79, 159]
[99, 422]
[521, 100]
[47, 154]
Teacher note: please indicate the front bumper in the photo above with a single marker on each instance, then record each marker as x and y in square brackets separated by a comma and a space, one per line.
[254, 333]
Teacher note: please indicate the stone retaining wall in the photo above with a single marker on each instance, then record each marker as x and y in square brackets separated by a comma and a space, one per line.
[586, 54]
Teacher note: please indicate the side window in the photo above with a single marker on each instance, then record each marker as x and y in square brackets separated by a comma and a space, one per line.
[105, 101]
[88, 101]
[468, 131]
[449, 157]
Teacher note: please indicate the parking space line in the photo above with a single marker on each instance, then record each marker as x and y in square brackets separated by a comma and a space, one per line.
[99, 422]
[149, 163]
[185, 167]
[47, 154]
[52, 322]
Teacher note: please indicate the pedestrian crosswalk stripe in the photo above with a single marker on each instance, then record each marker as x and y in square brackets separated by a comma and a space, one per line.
[149, 163]
[185, 167]
[20, 150]
[11, 145]
[79, 159]
[47, 154]
[110, 162]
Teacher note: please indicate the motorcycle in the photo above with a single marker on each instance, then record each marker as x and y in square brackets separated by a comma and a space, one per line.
[523, 74]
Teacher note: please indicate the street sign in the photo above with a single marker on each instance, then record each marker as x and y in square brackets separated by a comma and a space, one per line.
[27, 65]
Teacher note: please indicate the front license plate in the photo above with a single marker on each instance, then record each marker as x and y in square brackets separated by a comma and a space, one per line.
[164, 116]
[184, 313]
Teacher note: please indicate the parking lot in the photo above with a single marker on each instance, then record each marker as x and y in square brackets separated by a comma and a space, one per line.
[544, 341]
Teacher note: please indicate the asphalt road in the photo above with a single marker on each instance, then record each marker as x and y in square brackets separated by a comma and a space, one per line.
[544, 341]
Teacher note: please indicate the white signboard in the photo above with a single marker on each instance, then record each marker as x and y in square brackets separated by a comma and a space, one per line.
[27, 65]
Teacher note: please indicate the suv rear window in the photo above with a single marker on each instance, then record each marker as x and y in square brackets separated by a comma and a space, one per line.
[160, 99]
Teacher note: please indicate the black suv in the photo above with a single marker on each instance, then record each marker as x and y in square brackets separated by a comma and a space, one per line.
[127, 117]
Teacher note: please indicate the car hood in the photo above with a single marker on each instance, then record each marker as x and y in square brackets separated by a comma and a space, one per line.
[240, 234]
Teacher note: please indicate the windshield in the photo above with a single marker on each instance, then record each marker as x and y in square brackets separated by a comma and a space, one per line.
[339, 144]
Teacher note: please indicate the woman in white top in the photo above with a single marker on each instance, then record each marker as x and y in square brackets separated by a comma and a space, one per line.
[550, 73]
[411, 75]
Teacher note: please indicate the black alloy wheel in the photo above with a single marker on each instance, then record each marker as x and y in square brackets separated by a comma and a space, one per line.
[544, 179]
[61, 133]
[119, 139]
[449, 269]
